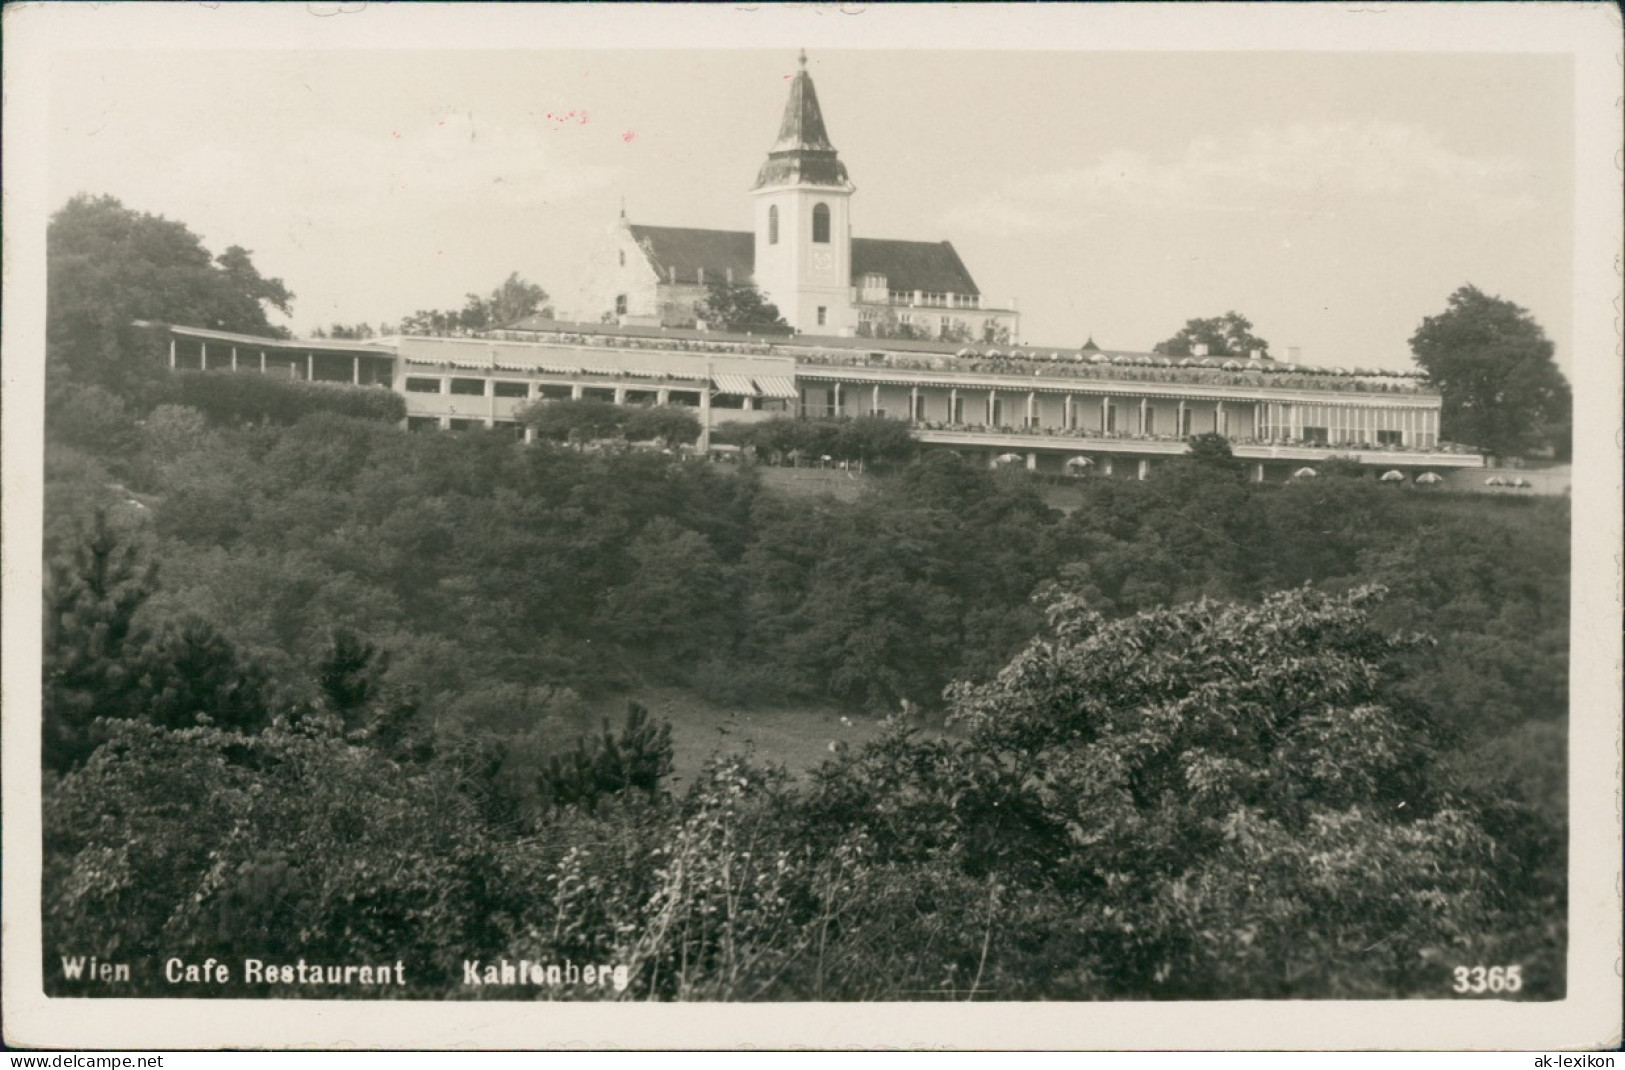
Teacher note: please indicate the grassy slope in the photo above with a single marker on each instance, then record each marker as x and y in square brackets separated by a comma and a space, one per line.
[797, 737]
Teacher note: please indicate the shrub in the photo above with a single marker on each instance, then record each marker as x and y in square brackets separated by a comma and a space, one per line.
[231, 397]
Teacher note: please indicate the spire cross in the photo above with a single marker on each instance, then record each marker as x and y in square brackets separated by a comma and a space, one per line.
[803, 59]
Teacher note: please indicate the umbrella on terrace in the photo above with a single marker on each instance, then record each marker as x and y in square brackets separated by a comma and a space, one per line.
[993, 353]
[1393, 475]
[1099, 358]
[1495, 481]
[1008, 458]
[1121, 360]
[1188, 362]
[1520, 482]
[1231, 366]
[1305, 473]
[1255, 365]
[1430, 478]
[1206, 363]
[1079, 462]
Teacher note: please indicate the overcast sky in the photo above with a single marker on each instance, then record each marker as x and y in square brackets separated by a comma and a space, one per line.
[1335, 198]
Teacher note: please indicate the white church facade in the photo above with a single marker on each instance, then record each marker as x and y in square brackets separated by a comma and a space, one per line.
[800, 254]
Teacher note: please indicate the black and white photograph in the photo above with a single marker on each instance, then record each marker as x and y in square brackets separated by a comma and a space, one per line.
[982, 526]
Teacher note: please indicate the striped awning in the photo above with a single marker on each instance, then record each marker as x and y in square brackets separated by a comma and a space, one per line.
[465, 362]
[777, 387]
[734, 384]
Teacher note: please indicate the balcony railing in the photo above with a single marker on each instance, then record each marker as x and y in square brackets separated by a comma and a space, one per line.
[1275, 378]
[1133, 437]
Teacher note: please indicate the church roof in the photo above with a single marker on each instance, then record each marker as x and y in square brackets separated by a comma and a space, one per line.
[931, 267]
[802, 155]
[688, 249]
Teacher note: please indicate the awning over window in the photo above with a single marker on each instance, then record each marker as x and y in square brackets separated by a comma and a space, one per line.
[777, 387]
[734, 384]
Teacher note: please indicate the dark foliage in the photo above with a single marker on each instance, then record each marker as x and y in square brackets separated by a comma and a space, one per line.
[225, 397]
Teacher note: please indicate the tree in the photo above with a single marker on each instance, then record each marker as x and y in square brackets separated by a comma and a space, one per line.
[1217, 798]
[1228, 335]
[1212, 450]
[1493, 364]
[740, 308]
[92, 640]
[669, 423]
[510, 302]
[108, 266]
[873, 439]
[573, 421]
[513, 301]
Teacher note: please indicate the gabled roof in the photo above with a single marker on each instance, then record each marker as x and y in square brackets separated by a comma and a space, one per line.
[688, 249]
[802, 154]
[932, 267]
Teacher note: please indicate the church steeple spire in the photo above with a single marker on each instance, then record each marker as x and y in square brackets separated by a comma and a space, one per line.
[802, 155]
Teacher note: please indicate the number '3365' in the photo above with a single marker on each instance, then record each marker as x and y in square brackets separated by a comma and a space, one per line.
[1476, 979]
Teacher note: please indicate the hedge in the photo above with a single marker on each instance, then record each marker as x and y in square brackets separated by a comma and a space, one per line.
[233, 397]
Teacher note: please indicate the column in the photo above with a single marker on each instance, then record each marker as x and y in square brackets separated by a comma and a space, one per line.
[1258, 472]
[1142, 420]
[1105, 424]
[620, 395]
[1106, 466]
[840, 402]
[490, 403]
[310, 367]
[705, 413]
[233, 358]
[172, 352]
[355, 370]
[992, 400]
[1032, 461]
[1179, 419]
[1144, 468]
[953, 405]
[262, 362]
[663, 396]
[913, 403]
[747, 405]
[203, 356]
[1218, 420]
[575, 394]
[874, 399]
[1032, 412]
[1066, 412]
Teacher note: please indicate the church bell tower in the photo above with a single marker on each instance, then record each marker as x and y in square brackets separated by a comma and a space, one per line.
[803, 223]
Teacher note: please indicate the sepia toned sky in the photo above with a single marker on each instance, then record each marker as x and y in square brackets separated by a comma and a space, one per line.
[1334, 197]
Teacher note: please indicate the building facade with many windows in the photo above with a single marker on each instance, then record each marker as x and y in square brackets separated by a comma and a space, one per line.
[1099, 412]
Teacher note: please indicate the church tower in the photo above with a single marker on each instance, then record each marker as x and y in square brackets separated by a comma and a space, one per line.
[803, 231]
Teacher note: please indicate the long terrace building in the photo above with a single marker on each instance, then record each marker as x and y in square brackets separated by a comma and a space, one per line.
[1104, 412]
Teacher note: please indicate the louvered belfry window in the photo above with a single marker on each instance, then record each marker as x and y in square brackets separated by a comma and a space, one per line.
[821, 224]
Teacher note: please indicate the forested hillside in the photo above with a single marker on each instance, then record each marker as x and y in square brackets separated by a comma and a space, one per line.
[417, 617]
[313, 689]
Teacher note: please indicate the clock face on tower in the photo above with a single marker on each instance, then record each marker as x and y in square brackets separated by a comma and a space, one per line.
[822, 260]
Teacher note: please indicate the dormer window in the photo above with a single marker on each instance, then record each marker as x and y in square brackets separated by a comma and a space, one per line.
[773, 225]
[820, 227]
